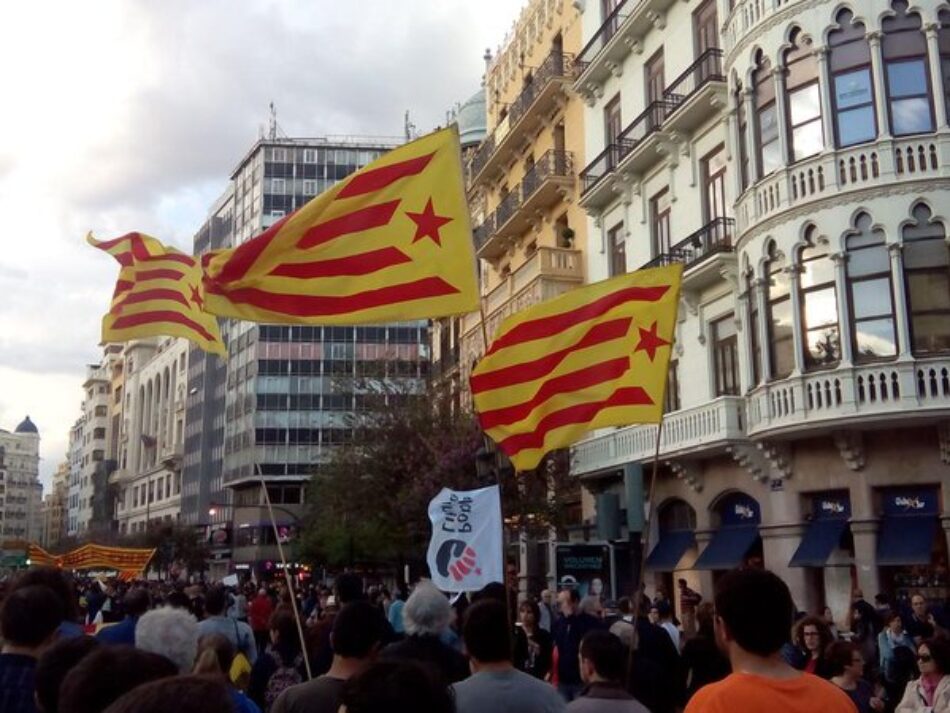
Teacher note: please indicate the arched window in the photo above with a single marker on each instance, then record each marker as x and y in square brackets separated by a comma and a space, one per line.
[805, 137]
[820, 335]
[766, 116]
[869, 286]
[904, 48]
[781, 334]
[742, 122]
[852, 89]
[927, 279]
[943, 41]
[755, 343]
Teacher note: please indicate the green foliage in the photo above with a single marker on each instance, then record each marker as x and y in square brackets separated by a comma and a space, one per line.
[176, 546]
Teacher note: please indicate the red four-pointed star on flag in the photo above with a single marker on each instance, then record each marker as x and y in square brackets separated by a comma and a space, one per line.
[428, 224]
[650, 341]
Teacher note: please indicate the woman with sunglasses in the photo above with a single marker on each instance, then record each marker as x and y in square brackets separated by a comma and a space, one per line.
[931, 692]
[846, 664]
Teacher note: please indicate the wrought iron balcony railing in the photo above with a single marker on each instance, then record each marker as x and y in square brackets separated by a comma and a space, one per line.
[714, 237]
[605, 162]
[507, 207]
[650, 120]
[706, 68]
[600, 39]
[556, 64]
[552, 163]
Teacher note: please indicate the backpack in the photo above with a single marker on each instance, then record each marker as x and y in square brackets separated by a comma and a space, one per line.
[284, 677]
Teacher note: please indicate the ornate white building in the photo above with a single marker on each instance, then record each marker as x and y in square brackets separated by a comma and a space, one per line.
[795, 155]
[21, 494]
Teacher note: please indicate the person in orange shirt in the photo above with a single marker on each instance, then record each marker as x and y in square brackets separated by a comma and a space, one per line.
[754, 614]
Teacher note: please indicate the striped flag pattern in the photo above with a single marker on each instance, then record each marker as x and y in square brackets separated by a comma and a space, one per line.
[593, 357]
[159, 292]
[392, 242]
[92, 556]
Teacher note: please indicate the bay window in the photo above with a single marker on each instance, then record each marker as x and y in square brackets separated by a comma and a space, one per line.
[820, 334]
[907, 78]
[869, 286]
[852, 89]
[766, 117]
[927, 281]
[779, 317]
[805, 137]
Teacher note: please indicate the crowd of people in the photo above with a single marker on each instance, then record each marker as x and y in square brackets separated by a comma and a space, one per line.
[96, 646]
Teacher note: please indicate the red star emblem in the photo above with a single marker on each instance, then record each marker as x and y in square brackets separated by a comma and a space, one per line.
[428, 224]
[196, 297]
[650, 341]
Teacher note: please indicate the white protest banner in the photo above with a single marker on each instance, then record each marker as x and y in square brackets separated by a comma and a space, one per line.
[465, 552]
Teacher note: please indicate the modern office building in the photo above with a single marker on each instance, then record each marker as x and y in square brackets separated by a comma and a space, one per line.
[795, 156]
[21, 494]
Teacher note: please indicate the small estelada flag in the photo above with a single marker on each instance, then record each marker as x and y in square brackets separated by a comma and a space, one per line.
[392, 242]
[159, 292]
[596, 356]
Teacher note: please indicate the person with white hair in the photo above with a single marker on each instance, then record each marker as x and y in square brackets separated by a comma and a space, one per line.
[426, 616]
[170, 632]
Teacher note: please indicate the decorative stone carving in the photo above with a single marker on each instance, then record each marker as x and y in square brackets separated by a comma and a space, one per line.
[779, 456]
[689, 472]
[943, 435]
[616, 68]
[850, 445]
[747, 456]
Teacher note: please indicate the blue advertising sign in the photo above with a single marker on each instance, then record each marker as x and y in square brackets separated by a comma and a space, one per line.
[739, 509]
[911, 501]
[831, 506]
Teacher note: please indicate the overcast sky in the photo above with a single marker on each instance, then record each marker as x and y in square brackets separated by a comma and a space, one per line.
[129, 115]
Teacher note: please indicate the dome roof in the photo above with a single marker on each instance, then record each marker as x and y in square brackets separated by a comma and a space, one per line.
[472, 120]
[26, 426]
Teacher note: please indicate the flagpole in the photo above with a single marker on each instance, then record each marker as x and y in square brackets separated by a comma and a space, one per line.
[283, 561]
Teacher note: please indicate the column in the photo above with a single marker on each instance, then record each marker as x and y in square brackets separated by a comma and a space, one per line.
[747, 98]
[706, 586]
[745, 341]
[781, 110]
[880, 89]
[936, 80]
[765, 368]
[900, 302]
[844, 314]
[778, 546]
[793, 271]
[865, 555]
[824, 86]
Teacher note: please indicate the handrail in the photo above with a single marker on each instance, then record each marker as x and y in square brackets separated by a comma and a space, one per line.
[714, 237]
[706, 68]
[649, 120]
[508, 206]
[600, 39]
[605, 162]
[553, 162]
[556, 64]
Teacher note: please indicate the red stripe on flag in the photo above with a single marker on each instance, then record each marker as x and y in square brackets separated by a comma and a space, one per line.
[531, 370]
[351, 265]
[372, 216]
[565, 384]
[136, 245]
[153, 294]
[158, 316]
[172, 257]
[159, 274]
[378, 178]
[548, 326]
[322, 305]
[580, 413]
[122, 286]
[245, 255]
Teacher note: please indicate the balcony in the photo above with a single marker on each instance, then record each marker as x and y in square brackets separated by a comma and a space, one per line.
[697, 94]
[643, 139]
[708, 428]
[526, 114]
[598, 189]
[482, 234]
[883, 393]
[702, 253]
[547, 182]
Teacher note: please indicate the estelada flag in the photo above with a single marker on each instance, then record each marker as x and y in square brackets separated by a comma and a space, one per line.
[159, 292]
[392, 242]
[596, 356]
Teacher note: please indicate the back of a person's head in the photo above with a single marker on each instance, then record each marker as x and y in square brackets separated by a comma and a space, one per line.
[492, 590]
[839, 655]
[624, 605]
[181, 694]
[169, 632]
[215, 654]
[136, 601]
[705, 616]
[485, 632]
[606, 652]
[30, 615]
[427, 611]
[590, 605]
[284, 623]
[106, 674]
[357, 629]
[394, 686]
[756, 607]
[215, 600]
[56, 579]
[573, 595]
[664, 609]
[349, 588]
[53, 666]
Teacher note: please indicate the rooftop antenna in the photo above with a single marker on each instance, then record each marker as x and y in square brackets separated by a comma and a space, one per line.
[272, 133]
[409, 128]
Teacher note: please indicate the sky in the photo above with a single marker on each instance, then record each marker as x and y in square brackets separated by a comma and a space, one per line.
[130, 115]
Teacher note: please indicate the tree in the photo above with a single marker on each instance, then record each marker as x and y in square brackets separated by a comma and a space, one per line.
[175, 546]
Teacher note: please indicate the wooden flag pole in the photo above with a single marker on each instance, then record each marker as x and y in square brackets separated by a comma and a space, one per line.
[283, 562]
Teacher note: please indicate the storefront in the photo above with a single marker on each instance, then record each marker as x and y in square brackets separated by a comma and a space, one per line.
[827, 550]
[675, 546]
[736, 541]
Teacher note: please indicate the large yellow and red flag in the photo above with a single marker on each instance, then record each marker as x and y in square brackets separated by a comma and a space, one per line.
[391, 242]
[596, 356]
[159, 292]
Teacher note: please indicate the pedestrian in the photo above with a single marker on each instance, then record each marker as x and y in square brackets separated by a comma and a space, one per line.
[62, 585]
[259, 612]
[827, 616]
[395, 687]
[602, 662]
[238, 606]
[930, 693]
[592, 605]
[28, 622]
[357, 638]
[183, 694]
[892, 638]
[281, 666]
[395, 610]
[921, 624]
[135, 603]
[240, 634]
[846, 665]
[169, 632]
[533, 645]
[425, 616]
[754, 614]
[215, 656]
[568, 632]
[811, 640]
[548, 614]
[665, 620]
[703, 662]
[689, 600]
[495, 684]
[54, 664]
[657, 676]
[108, 673]
[623, 626]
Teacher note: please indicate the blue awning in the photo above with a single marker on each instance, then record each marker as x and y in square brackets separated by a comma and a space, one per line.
[670, 550]
[820, 540]
[906, 539]
[728, 547]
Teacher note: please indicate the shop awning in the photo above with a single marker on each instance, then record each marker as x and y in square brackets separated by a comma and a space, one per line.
[820, 540]
[670, 550]
[906, 539]
[728, 547]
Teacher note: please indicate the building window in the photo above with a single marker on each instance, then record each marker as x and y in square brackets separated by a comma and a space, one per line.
[779, 304]
[613, 123]
[309, 188]
[671, 400]
[943, 42]
[277, 186]
[852, 88]
[805, 137]
[821, 338]
[927, 280]
[705, 27]
[869, 286]
[713, 171]
[309, 155]
[617, 245]
[766, 117]
[660, 208]
[907, 79]
[653, 77]
[726, 356]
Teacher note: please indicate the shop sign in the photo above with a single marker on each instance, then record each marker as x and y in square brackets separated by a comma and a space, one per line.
[911, 502]
[584, 567]
[739, 509]
[829, 506]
